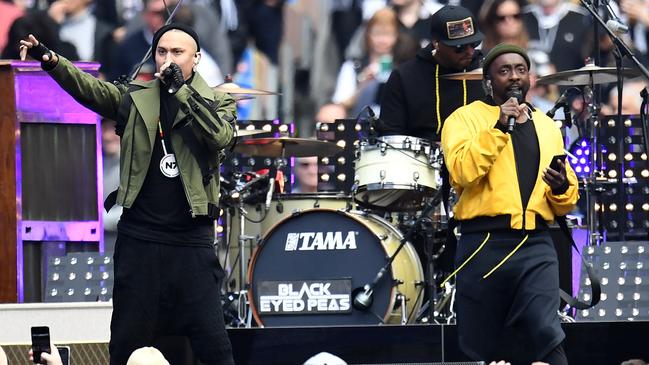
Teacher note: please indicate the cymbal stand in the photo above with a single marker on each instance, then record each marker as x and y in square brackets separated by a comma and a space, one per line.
[623, 50]
[594, 182]
[243, 309]
[592, 188]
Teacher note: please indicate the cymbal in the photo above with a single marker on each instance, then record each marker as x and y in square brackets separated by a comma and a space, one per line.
[249, 132]
[582, 76]
[232, 88]
[469, 75]
[286, 146]
[239, 97]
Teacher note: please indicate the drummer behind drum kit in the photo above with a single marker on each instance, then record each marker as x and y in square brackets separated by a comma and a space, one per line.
[336, 259]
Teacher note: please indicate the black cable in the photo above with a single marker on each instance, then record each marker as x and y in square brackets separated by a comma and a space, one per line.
[150, 50]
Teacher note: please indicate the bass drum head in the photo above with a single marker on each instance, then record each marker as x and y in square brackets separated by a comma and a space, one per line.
[306, 268]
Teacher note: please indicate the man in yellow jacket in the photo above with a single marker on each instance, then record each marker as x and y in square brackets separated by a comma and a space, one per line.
[498, 152]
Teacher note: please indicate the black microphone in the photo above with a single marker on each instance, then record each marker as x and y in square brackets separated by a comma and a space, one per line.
[558, 104]
[518, 94]
[166, 74]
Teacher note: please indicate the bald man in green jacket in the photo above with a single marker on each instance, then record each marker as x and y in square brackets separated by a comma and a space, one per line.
[173, 130]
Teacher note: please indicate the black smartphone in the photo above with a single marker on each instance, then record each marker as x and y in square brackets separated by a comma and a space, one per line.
[40, 342]
[554, 164]
[64, 352]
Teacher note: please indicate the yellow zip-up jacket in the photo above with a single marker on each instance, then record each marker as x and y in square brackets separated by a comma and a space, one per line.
[482, 167]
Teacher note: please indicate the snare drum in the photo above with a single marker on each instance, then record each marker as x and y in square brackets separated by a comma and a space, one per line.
[309, 266]
[396, 173]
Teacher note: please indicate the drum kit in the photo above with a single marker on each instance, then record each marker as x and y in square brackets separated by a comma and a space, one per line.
[305, 257]
[341, 259]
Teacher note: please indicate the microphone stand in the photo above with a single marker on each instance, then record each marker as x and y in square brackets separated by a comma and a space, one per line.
[619, 43]
[643, 117]
[622, 50]
[363, 298]
[620, 131]
[124, 80]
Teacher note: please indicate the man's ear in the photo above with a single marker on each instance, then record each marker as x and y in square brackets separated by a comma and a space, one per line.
[197, 58]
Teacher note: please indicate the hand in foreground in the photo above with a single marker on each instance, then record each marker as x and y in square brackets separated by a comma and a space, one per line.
[48, 359]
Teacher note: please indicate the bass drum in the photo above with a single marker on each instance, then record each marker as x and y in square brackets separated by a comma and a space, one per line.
[310, 265]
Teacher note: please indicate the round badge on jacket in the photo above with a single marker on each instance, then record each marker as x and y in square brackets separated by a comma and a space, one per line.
[168, 166]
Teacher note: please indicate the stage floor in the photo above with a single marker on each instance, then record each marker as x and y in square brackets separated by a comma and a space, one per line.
[591, 343]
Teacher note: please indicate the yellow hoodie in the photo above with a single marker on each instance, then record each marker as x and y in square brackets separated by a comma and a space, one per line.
[482, 168]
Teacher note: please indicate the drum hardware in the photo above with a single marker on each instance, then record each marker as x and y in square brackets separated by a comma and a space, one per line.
[248, 132]
[230, 87]
[472, 75]
[589, 76]
[363, 298]
[404, 313]
[287, 146]
[236, 199]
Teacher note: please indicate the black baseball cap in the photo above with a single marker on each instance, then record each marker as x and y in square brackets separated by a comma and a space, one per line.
[455, 26]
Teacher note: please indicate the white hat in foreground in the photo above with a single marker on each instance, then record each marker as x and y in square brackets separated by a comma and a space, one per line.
[147, 356]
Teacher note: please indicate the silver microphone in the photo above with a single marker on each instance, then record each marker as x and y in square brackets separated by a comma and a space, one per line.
[363, 298]
[617, 27]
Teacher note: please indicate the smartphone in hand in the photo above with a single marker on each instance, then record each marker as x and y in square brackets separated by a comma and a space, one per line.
[40, 342]
[554, 165]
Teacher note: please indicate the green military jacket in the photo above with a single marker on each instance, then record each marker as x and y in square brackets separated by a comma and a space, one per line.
[213, 133]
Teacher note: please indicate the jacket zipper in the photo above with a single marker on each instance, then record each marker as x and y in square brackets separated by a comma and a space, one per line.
[130, 165]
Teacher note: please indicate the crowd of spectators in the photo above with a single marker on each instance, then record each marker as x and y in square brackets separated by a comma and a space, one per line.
[330, 55]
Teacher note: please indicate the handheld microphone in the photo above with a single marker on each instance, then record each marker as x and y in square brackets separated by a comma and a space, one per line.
[167, 75]
[617, 27]
[558, 104]
[518, 94]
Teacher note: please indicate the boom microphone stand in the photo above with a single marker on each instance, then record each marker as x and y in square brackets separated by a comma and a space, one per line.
[363, 298]
[622, 50]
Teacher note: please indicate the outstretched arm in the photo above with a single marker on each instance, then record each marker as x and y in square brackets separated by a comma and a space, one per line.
[101, 97]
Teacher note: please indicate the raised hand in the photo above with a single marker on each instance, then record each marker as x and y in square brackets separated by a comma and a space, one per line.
[36, 50]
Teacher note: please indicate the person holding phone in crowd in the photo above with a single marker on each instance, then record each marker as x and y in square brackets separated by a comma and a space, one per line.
[51, 358]
[498, 151]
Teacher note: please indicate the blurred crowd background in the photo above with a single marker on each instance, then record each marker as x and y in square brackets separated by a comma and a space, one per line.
[328, 58]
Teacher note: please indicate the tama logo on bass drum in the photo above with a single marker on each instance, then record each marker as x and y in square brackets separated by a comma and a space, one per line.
[320, 241]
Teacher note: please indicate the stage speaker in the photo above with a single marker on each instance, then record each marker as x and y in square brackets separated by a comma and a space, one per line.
[51, 174]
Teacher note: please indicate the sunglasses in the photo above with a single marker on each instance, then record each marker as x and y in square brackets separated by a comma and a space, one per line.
[501, 18]
[461, 48]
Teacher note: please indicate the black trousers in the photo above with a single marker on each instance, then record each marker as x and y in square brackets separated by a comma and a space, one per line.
[165, 289]
[512, 313]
